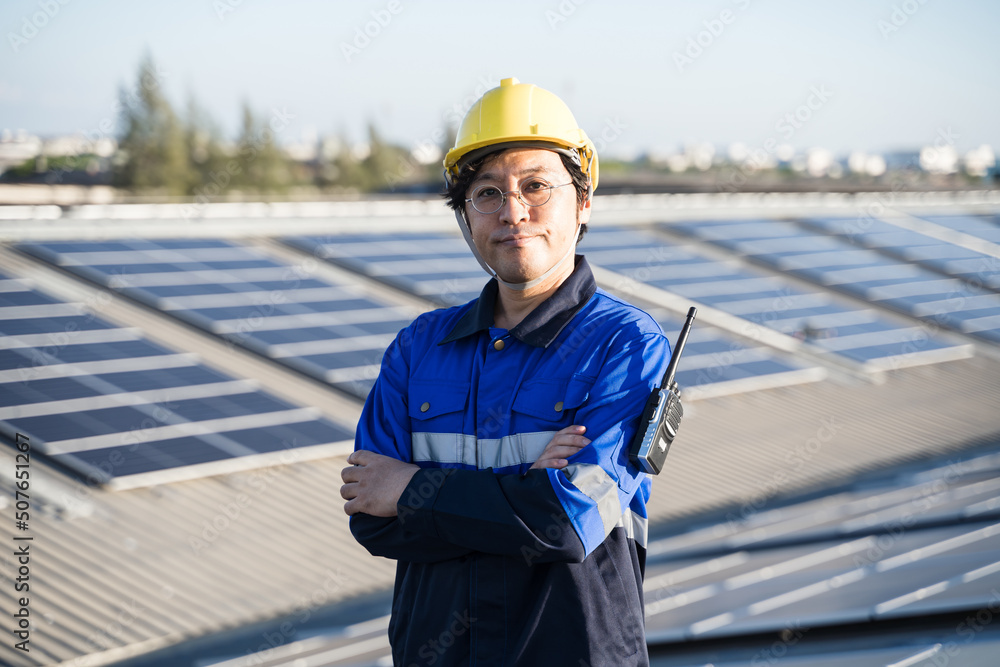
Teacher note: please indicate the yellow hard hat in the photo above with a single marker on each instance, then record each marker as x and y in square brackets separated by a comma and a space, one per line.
[520, 113]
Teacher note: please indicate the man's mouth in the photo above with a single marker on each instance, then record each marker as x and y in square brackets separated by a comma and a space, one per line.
[516, 240]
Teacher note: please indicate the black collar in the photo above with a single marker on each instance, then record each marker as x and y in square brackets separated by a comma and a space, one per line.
[544, 323]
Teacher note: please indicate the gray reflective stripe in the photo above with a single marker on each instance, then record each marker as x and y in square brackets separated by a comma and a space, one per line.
[636, 527]
[481, 453]
[595, 483]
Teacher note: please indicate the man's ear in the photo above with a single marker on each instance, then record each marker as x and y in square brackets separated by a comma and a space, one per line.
[585, 209]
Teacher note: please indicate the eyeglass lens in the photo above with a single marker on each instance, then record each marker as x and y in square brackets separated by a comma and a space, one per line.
[489, 199]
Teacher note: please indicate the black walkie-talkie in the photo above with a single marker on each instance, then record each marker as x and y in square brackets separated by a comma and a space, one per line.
[662, 416]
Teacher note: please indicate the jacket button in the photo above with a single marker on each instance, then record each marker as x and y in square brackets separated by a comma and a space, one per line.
[559, 406]
[498, 345]
[425, 407]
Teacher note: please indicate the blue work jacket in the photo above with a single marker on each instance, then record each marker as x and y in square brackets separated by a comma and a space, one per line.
[499, 564]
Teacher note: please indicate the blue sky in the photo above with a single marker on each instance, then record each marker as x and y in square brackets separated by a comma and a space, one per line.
[873, 75]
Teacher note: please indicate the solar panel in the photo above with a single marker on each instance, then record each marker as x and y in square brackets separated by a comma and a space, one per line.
[835, 263]
[436, 267]
[125, 411]
[973, 266]
[327, 330]
[984, 227]
[440, 267]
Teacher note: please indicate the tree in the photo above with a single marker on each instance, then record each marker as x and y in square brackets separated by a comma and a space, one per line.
[203, 142]
[154, 153]
[263, 168]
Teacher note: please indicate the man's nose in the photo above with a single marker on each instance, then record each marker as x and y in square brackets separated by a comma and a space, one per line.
[514, 210]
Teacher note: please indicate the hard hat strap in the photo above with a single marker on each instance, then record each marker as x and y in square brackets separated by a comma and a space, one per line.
[467, 233]
[517, 287]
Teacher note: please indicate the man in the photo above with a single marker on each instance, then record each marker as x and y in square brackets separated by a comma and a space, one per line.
[519, 540]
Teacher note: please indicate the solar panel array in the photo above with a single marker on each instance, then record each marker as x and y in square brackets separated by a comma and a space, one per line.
[907, 545]
[870, 275]
[326, 330]
[119, 408]
[974, 267]
[440, 268]
[785, 583]
[830, 325]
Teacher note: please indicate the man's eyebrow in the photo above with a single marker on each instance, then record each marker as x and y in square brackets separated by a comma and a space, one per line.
[527, 171]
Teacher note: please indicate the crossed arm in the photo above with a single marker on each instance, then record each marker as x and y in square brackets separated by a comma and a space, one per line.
[374, 483]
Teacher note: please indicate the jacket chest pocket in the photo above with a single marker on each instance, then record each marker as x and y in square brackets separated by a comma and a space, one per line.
[552, 403]
[437, 415]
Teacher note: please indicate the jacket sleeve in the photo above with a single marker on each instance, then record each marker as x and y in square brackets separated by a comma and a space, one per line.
[550, 515]
[384, 428]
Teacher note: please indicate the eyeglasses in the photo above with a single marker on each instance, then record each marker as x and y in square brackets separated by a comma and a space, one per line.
[534, 192]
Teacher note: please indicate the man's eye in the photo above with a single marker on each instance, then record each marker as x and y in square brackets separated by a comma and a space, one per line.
[534, 185]
[488, 192]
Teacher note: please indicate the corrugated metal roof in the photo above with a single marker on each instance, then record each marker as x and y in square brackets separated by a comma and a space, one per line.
[150, 567]
[119, 574]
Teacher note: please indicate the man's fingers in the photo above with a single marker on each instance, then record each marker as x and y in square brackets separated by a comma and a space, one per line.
[560, 452]
[577, 441]
[564, 443]
[550, 463]
[358, 457]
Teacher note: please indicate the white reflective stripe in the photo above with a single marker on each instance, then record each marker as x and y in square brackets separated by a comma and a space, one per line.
[636, 527]
[594, 482]
[480, 453]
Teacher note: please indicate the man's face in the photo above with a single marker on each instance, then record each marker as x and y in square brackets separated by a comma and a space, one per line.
[522, 242]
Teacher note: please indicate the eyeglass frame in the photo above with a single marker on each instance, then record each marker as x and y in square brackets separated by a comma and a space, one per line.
[503, 195]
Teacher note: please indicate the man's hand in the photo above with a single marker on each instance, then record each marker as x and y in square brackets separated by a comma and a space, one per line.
[563, 444]
[374, 483]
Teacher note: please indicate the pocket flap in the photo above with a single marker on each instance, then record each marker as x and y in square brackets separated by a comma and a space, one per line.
[429, 399]
[548, 399]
